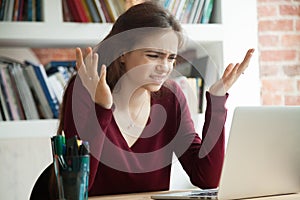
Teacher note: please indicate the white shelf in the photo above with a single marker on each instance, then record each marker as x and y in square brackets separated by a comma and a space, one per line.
[42, 34]
[28, 129]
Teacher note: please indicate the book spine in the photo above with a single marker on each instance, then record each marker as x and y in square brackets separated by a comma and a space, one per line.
[193, 11]
[5, 111]
[20, 10]
[24, 92]
[101, 13]
[187, 11]
[93, 11]
[58, 88]
[38, 10]
[86, 10]
[1, 112]
[73, 11]
[8, 16]
[199, 12]
[208, 7]
[106, 14]
[175, 7]
[2, 9]
[33, 10]
[111, 10]
[66, 12]
[16, 10]
[79, 9]
[37, 91]
[29, 10]
[179, 9]
[43, 79]
[15, 101]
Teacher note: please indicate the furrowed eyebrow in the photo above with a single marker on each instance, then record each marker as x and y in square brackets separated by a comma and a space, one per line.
[159, 52]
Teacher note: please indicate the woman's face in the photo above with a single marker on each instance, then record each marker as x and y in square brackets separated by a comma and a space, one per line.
[151, 64]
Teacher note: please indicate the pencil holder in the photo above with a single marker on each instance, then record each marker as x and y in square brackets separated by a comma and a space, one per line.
[71, 160]
[72, 181]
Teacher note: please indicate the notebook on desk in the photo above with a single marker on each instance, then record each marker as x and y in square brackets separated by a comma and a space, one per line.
[262, 156]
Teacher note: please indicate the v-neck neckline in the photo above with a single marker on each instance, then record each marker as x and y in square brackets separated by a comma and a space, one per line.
[120, 134]
[124, 141]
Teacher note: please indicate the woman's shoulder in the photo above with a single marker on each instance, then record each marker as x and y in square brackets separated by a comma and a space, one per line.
[74, 81]
[169, 89]
[172, 86]
[75, 87]
[71, 81]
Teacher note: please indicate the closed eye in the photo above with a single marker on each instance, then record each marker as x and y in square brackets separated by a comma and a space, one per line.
[157, 54]
[152, 55]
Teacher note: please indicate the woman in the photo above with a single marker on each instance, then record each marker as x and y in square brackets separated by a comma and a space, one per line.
[134, 117]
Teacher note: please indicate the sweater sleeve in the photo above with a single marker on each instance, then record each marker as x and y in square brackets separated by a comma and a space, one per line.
[87, 120]
[203, 159]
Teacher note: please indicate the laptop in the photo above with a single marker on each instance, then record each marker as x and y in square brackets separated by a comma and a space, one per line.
[262, 156]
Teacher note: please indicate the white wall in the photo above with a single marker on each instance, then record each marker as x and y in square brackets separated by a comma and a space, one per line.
[240, 34]
[22, 161]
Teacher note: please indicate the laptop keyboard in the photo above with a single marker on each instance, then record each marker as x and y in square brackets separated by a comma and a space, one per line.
[205, 194]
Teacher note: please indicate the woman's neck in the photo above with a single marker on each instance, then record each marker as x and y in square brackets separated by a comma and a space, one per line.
[127, 95]
[139, 97]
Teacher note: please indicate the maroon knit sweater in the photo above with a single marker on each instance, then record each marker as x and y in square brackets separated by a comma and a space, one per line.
[145, 166]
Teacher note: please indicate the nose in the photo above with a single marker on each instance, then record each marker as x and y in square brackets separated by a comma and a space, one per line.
[163, 66]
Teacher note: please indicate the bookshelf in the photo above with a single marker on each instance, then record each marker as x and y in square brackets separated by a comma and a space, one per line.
[52, 31]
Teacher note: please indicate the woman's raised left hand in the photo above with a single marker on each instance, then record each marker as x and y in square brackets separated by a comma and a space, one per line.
[230, 75]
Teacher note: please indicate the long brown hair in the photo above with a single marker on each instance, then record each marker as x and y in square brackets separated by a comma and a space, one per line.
[144, 15]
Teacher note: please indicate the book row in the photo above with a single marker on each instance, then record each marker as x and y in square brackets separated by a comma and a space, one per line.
[98, 11]
[190, 11]
[30, 91]
[103, 11]
[192, 88]
[107, 11]
[21, 10]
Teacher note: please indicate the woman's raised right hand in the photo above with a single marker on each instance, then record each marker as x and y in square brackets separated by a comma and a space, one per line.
[96, 85]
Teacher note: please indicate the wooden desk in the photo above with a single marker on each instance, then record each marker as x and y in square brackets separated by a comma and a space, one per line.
[147, 196]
